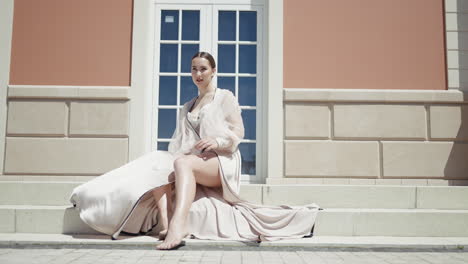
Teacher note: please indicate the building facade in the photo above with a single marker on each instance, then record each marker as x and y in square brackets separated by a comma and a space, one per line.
[332, 92]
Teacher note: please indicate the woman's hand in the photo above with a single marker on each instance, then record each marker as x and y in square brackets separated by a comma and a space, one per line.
[206, 144]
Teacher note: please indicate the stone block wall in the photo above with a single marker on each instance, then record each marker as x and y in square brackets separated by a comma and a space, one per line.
[65, 131]
[375, 137]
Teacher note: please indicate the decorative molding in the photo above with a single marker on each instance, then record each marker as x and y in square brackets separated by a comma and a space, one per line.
[141, 93]
[68, 92]
[274, 92]
[210, 2]
[6, 33]
[371, 96]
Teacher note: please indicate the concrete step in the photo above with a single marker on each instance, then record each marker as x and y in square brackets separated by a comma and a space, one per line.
[330, 222]
[42, 219]
[327, 196]
[25, 240]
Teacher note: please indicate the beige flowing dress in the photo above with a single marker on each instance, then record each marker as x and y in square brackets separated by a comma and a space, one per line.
[121, 200]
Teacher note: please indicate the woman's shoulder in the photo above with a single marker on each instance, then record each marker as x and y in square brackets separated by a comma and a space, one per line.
[225, 92]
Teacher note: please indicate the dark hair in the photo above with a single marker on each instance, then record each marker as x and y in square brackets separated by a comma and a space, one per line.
[205, 55]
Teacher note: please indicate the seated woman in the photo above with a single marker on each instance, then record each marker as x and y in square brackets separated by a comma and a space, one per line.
[192, 189]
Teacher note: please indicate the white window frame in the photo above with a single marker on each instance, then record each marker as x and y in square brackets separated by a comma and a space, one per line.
[209, 43]
[204, 23]
[259, 139]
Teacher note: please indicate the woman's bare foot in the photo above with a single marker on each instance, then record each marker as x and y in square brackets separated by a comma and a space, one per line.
[177, 231]
[162, 235]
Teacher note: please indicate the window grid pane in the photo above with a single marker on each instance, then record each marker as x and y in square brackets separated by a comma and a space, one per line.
[227, 25]
[174, 74]
[190, 25]
[249, 160]
[169, 24]
[247, 26]
[244, 75]
[239, 75]
[167, 90]
[188, 50]
[163, 145]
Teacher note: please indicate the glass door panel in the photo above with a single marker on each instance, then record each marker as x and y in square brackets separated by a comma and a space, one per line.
[232, 34]
[236, 48]
[179, 40]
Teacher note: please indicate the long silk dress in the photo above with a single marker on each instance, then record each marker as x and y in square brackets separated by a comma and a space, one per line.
[121, 200]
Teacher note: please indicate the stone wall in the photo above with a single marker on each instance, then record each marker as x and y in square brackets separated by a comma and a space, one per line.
[66, 130]
[375, 137]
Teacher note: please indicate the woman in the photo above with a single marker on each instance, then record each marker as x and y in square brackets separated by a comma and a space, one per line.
[203, 164]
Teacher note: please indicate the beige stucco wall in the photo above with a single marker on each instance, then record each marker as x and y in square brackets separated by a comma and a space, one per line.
[82, 42]
[365, 44]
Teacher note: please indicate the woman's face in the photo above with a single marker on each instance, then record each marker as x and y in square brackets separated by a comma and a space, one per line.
[202, 72]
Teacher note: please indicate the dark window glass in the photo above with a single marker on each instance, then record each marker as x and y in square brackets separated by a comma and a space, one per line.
[249, 118]
[166, 122]
[190, 25]
[247, 59]
[167, 90]
[188, 89]
[227, 83]
[248, 25]
[226, 58]
[169, 24]
[188, 50]
[168, 58]
[248, 158]
[163, 145]
[247, 91]
[227, 25]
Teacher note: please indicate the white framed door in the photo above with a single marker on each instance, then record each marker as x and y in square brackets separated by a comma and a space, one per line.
[233, 34]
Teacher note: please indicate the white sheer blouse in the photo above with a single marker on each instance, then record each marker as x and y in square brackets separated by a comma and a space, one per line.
[221, 119]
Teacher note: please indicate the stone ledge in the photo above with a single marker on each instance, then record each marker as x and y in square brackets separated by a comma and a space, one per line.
[368, 95]
[17, 240]
[69, 92]
[329, 222]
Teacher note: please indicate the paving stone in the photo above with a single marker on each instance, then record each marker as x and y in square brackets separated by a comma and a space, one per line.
[81, 256]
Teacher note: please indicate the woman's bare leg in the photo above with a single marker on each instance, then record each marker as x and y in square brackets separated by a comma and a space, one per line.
[163, 217]
[168, 211]
[189, 170]
[160, 197]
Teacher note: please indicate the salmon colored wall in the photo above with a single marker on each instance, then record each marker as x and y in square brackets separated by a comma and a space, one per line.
[370, 44]
[71, 42]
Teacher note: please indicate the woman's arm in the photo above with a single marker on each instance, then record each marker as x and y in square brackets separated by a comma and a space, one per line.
[223, 128]
[233, 119]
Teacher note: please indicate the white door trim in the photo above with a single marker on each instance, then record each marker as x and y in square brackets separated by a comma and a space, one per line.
[274, 97]
[141, 79]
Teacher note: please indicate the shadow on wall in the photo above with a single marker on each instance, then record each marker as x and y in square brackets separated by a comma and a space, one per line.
[456, 169]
